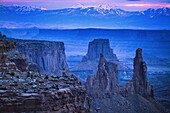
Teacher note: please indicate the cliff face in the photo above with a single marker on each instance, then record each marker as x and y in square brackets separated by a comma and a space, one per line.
[49, 56]
[98, 46]
[11, 59]
[23, 90]
[19, 59]
[105, 81]
[5, 63]
[140, 81]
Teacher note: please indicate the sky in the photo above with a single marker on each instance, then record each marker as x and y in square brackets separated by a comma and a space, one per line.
[58, 4]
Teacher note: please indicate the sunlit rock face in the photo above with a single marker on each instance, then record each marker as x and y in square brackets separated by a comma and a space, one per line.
[105, 81]
[49, 56]
[140, 81]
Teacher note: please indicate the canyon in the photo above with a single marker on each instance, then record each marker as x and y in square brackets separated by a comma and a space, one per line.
[27, 82]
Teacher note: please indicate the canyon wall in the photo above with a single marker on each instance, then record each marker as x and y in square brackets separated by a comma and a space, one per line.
[49, 56]
[22, 90]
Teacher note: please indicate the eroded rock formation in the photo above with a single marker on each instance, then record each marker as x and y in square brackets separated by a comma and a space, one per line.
[136, 97]
[98, 46]
[140, 81]
[105, 81]
[24, 90]
[49, 56]
[90, 61]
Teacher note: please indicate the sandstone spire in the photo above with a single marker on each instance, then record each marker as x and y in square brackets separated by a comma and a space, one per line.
[105, 81]
[140, 81]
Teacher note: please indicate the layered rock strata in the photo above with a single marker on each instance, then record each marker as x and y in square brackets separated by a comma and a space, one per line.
[31, 92]
[49, 56]
[98, 46]
[11, 59]
[18, 58]
[23, 90]
[5, 46]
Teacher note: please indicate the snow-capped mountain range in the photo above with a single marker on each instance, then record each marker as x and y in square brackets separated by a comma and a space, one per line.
[101, 10]
[94, 16]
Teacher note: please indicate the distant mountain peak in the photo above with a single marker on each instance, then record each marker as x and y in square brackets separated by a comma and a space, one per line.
[20, 8]
[104, 6]
[82, 15]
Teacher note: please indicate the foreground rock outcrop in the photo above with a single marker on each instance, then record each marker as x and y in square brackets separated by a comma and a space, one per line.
[105, 81]
[28, 91]
[18, 58]
[11, 59]
[31, 92]
[5, 63]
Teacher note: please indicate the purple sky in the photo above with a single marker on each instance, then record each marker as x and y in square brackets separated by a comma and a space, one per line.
[56, 4]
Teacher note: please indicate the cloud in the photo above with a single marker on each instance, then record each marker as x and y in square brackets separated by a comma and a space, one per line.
[133, 0]
[147, 5]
